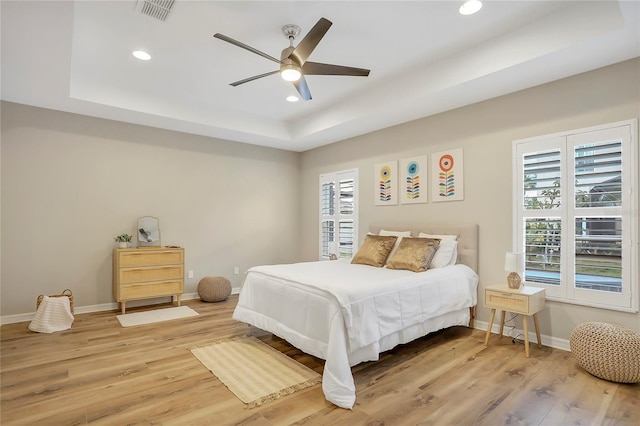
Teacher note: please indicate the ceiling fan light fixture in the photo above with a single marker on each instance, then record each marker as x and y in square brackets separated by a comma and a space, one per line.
[470, 7]
[290, 72]
[292, 98]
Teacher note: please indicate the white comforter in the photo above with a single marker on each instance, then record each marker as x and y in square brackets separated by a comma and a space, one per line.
[347, 314]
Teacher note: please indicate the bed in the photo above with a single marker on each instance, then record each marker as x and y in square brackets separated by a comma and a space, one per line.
[349, 313]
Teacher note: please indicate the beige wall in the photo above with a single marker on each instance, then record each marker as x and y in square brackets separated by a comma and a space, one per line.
[485, 131]
[70, 183]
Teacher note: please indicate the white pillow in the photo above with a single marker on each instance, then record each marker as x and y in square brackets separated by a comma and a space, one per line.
[399, 234]
[447, 252]
[454, 257]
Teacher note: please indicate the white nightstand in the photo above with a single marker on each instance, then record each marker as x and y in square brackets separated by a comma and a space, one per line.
[524, 300]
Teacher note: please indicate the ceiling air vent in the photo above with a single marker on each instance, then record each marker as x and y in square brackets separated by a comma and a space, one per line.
[158, 9]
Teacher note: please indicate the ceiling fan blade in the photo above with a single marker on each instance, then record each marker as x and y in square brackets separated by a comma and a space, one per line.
[255, 77]
[303, 88]
[315, 68]
[310, 41]
[244, 46]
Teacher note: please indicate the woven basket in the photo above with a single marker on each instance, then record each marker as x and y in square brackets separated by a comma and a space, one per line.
[65, 293]
[607, 351]
[214, 289]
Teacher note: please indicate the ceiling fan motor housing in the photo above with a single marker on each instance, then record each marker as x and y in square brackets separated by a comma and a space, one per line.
[284, 56]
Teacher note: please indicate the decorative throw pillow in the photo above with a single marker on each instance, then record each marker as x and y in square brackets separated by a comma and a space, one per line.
[447, 252]
[399, 234]
[374, 250]
[414, 254]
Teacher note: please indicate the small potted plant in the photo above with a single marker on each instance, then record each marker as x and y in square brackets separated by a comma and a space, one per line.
[123, 240]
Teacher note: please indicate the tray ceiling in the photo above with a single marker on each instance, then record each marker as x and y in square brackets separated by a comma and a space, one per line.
[424, 58]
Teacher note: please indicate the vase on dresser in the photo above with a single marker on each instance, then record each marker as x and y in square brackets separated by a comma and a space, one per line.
[123, 244]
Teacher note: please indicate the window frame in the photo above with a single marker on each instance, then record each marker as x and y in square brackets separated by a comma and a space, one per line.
[337, 215]
[566, 142]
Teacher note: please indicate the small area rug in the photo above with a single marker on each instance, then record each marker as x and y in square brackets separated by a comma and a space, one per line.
[157, 315]
[254, 371]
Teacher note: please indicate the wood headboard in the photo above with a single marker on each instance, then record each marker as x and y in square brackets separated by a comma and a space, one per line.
[467, 238]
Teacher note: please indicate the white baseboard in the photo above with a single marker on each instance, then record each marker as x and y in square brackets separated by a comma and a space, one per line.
[10, 319]
[550, 341]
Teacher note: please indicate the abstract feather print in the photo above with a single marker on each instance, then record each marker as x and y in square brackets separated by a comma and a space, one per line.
[447, 174]
[385, 184]
[413, 181]
[446, 177]
[414, 178]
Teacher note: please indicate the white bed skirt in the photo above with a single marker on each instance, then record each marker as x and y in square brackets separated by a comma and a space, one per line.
[337, 381]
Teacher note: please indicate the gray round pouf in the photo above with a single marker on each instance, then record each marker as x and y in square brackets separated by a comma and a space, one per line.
[214, 289]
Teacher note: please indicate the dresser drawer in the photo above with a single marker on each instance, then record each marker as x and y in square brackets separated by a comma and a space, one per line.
[151, 289]
[511, 302]
[150, 257]
[154, 273]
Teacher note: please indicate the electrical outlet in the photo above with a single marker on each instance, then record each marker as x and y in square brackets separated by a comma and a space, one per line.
[190, 274]
[236, 270]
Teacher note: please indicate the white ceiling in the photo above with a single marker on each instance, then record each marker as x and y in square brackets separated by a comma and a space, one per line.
[424, 58]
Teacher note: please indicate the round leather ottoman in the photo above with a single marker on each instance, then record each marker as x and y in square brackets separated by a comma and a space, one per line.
[214, 289]
[607, 351]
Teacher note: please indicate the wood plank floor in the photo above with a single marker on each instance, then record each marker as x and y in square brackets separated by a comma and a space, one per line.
[100, 373]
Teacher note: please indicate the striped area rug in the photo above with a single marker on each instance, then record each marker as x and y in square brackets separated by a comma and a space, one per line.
[254, 371]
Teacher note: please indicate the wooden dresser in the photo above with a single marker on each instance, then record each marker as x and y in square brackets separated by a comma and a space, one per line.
[143, 273]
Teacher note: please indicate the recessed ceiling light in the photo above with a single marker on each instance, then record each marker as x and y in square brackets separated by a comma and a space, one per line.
[470, 7]
[292, 98]
[142, 55]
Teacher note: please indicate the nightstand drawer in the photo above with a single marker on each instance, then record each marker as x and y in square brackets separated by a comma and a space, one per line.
[507, 301]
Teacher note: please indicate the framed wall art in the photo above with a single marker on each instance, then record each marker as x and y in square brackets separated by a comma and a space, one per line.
[447, 176]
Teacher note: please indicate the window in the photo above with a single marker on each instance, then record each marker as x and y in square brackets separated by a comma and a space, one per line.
[576, 215]
[338, 213]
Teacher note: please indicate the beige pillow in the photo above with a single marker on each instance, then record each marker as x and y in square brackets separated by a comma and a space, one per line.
[414, 254]
[374, 250]
[399, 234]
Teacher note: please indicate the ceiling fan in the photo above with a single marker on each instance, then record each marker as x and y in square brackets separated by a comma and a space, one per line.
[293, 60]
